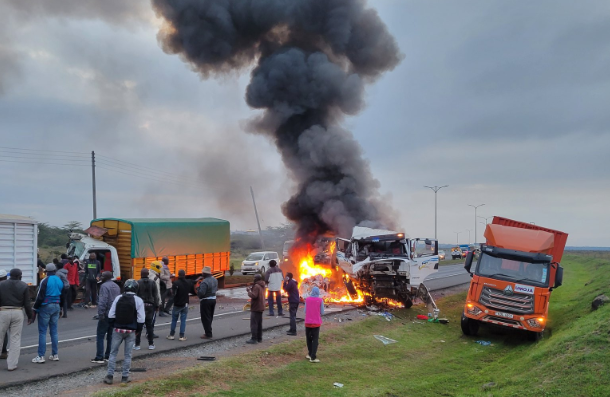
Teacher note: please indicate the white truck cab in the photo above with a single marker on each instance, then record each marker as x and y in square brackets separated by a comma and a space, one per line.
[386, 264]
[81, 246]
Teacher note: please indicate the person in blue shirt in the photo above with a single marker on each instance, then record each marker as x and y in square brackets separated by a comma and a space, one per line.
[47, 309]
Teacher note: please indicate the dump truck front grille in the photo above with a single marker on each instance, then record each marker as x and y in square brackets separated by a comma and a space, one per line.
[515, 303]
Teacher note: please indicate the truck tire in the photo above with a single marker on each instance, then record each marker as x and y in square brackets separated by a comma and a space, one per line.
[470, 327]
[534, 336]
[408, 303]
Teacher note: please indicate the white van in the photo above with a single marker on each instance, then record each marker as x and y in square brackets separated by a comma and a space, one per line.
[258, 261]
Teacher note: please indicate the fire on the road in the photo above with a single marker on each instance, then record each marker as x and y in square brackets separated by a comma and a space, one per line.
[328, 278]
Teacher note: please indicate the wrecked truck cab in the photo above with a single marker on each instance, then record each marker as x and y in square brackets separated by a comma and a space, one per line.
[385, 264]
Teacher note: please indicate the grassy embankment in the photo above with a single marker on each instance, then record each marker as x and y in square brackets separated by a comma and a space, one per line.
[429, 359]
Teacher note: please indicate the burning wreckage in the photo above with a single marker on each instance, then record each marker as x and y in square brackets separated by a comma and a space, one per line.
[373, 267]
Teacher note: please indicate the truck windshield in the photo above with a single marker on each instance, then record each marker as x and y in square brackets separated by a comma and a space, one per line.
[513, 270]
[287, 246]
[76, 249]
[380, 249]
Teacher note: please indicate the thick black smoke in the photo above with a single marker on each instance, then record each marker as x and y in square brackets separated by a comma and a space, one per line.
[313, 60]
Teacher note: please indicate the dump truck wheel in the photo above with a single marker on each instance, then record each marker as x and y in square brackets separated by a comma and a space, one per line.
[534, 336]
[469, 326]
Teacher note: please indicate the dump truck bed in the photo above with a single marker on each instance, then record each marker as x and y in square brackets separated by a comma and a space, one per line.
[559, 238]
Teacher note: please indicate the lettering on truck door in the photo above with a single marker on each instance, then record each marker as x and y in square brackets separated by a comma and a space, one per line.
[424, 253]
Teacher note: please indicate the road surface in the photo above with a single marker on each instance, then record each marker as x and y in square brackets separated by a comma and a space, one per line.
[77, 333]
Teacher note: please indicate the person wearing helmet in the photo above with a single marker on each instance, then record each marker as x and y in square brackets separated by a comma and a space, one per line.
[127, 317]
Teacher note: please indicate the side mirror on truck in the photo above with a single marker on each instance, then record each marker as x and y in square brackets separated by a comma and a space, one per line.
[558, 277]
[468, 263]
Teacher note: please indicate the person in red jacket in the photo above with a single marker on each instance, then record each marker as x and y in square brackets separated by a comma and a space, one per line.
[72, 269]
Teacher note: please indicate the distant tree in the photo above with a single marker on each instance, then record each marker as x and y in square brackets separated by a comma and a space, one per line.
[73, 225]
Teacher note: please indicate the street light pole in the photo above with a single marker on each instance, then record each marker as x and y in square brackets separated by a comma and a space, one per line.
[486, 218]
[435, 189]
[457, 238]
[468, 236]
[475, 219]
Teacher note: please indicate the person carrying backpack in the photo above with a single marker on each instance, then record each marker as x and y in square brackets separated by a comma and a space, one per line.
[127, 317]
[148, 292]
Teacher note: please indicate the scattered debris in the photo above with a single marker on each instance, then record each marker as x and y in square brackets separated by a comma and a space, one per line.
[489, 385]
[206, 358]
[386, 341]
[442, 341]
[388, 316]
[483, 342]
[422, 317]
[599, 301]
[373, 308]
[137, 370]
[337, 384]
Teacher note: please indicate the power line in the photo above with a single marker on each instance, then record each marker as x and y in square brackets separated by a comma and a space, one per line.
[43, 163]
[143, 173]
[147, 177]
[38, 150]
[40, 158]
[143, 168]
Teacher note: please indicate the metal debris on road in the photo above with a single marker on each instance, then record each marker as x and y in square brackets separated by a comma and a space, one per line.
[483, 342]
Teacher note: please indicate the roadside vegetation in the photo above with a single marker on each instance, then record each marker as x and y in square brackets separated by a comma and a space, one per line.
[428, 359]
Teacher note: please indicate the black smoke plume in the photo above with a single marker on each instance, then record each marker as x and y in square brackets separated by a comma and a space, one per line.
[313, 58]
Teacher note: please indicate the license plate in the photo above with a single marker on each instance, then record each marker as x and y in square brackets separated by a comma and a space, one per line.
[505, 315]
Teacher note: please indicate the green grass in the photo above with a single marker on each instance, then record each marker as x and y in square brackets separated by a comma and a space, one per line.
[450, 261]
[429, 359]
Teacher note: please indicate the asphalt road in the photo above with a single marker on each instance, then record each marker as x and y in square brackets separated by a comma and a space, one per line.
[77, 333]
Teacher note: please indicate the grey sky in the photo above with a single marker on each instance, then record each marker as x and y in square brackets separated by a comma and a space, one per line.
[503, 101]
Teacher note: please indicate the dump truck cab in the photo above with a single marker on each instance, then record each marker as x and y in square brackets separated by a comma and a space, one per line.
[513, 277]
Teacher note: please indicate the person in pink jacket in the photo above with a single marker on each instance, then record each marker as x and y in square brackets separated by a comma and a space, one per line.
[314, 309]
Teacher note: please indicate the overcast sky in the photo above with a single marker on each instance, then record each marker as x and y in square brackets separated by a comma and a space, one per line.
[504, 101]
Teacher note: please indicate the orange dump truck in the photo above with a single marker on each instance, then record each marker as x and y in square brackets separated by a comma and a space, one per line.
[125, 246]
[513, 277]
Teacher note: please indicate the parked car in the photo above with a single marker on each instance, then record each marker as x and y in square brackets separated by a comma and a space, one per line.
[456, 253]
[441, 255]
[258, 262]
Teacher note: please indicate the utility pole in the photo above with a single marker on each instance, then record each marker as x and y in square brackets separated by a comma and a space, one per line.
[435, 189]
[475, 219]
[93, 184]
[468, 230]
[486, 218]
[457, 238]
[260, 233]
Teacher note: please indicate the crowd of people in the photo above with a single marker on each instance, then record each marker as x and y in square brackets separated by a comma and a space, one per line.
[123, 315]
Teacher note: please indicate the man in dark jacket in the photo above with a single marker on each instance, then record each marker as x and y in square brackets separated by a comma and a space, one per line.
[207, 300]
[108, 293]
[14, 297]
[47, 307]
[93, 268]
[147, 291]
[126, 317]
[180, 293]
[292, 289]
[257, 307]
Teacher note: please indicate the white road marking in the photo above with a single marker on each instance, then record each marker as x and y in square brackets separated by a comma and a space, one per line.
[156, 325]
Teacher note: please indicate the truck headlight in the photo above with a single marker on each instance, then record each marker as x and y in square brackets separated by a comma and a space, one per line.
[256, 264]
[472, 309]
[536, 322]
